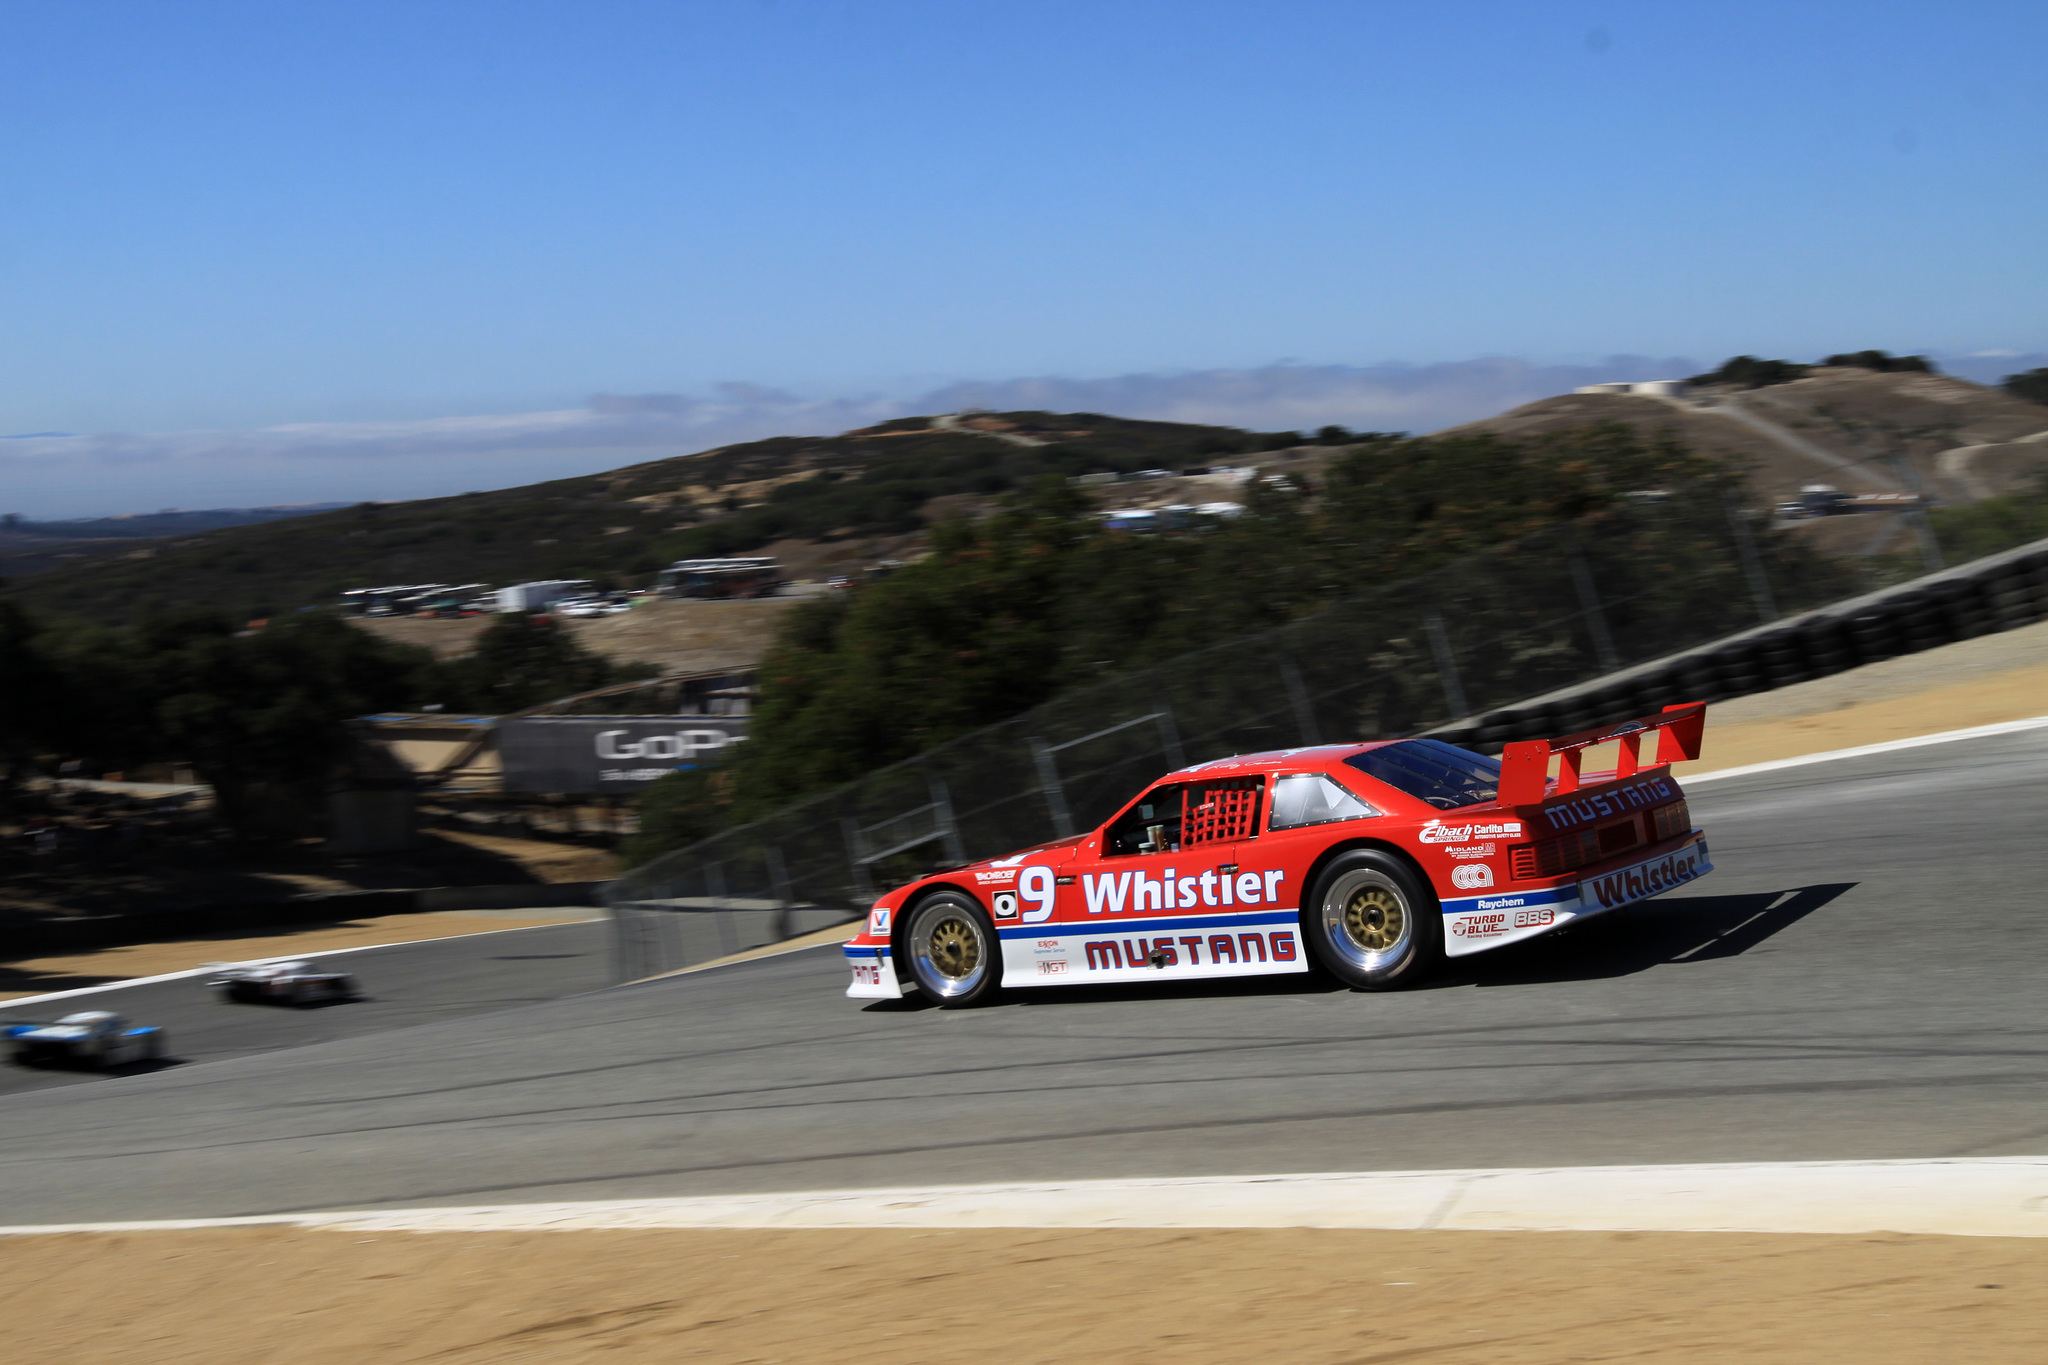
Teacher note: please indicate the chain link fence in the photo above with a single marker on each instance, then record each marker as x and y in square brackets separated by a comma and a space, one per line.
[1495, 646]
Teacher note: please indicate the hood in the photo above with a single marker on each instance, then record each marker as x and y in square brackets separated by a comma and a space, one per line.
[1052, 854]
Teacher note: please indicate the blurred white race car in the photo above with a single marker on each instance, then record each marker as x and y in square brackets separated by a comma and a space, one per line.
[288, 983]
[89, 1038]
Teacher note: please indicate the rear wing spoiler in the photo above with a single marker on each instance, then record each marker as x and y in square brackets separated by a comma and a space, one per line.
[1525, 764]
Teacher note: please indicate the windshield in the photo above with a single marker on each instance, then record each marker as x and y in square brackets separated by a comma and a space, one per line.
[1444, 775]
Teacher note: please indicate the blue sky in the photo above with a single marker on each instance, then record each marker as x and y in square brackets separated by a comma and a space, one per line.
[219, 219]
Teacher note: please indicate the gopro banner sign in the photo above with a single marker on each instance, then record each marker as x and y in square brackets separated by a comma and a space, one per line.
[601, 754]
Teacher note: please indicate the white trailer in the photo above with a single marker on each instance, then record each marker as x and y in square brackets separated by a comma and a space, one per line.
[541, 595]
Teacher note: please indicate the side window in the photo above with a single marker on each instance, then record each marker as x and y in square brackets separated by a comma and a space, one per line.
[1312, 799]
[1223, 811]
[1151, 826]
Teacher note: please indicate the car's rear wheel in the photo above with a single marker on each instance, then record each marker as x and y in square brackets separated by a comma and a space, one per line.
[954, 955]
[1373, 923]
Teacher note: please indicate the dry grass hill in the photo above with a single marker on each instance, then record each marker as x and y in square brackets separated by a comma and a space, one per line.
[1860, 430]
[1849, 427]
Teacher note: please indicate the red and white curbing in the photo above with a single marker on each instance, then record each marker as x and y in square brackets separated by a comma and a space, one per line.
[1974, 1197]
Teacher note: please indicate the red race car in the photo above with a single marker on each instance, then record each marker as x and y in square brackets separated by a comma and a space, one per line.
[1376, 860]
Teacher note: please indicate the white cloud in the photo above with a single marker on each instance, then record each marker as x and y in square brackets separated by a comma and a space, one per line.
[1275, 397]
[1415, 398]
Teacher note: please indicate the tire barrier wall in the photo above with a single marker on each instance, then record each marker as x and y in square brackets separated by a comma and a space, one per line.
[1998, 593]
[1557, 632]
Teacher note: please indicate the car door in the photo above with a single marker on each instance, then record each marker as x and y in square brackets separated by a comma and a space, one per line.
[1149, 878]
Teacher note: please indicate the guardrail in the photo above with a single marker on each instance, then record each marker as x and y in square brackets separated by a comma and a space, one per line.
[1558, 632]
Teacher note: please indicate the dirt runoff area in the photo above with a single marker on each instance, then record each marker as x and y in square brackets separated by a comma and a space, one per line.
[76, 971]
[1984, 681]
[280, 1296]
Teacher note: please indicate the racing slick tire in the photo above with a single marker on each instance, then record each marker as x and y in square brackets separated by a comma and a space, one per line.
[1373, 923]
[955, 958]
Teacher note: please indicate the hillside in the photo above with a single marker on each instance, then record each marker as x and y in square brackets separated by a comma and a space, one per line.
[826, 503]
[28, 547]
[1957, 441]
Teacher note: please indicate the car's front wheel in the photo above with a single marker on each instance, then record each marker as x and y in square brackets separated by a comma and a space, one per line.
[1373, 923]
[953, 952]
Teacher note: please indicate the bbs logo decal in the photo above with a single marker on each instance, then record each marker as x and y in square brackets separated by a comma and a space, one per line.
[1469, 876]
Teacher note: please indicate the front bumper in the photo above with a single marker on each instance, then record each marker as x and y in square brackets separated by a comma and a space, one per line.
[874, 972]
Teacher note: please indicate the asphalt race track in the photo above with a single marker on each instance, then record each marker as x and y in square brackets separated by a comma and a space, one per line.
[1863, 977]
[402, 985]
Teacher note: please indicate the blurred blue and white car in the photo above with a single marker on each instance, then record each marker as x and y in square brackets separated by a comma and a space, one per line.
[93, 1038]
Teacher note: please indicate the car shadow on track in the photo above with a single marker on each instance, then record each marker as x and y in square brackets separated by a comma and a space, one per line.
[1653, 934]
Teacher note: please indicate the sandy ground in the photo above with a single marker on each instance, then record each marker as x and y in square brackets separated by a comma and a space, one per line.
[38, 976]
[1017, 1296]
[1976, 682]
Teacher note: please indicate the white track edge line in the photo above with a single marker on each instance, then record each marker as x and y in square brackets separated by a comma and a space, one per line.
[1975, 1196]
[189, 972]
[1862, 750]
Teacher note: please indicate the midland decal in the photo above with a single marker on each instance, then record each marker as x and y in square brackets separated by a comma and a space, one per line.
[1646, 879]
[1600, 805]
[1116, 891]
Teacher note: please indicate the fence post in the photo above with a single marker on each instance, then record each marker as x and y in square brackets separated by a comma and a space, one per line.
[1596, 619]
[1169, 733]
[714, 886]
[1049, 783]
[1304, 715]
[1752, 564]
[778, 878]
[856, 859]
[942, 813]
[1446, 665]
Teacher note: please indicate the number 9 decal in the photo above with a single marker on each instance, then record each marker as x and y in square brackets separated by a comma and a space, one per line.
[1034, 884]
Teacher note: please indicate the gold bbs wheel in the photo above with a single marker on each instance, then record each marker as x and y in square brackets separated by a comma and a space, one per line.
[953, 950]
[1375, 918]
[1372, 921]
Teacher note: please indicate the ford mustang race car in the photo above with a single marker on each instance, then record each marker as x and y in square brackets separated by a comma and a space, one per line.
[89, 1038]
[1375, 860]
[289, 983]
